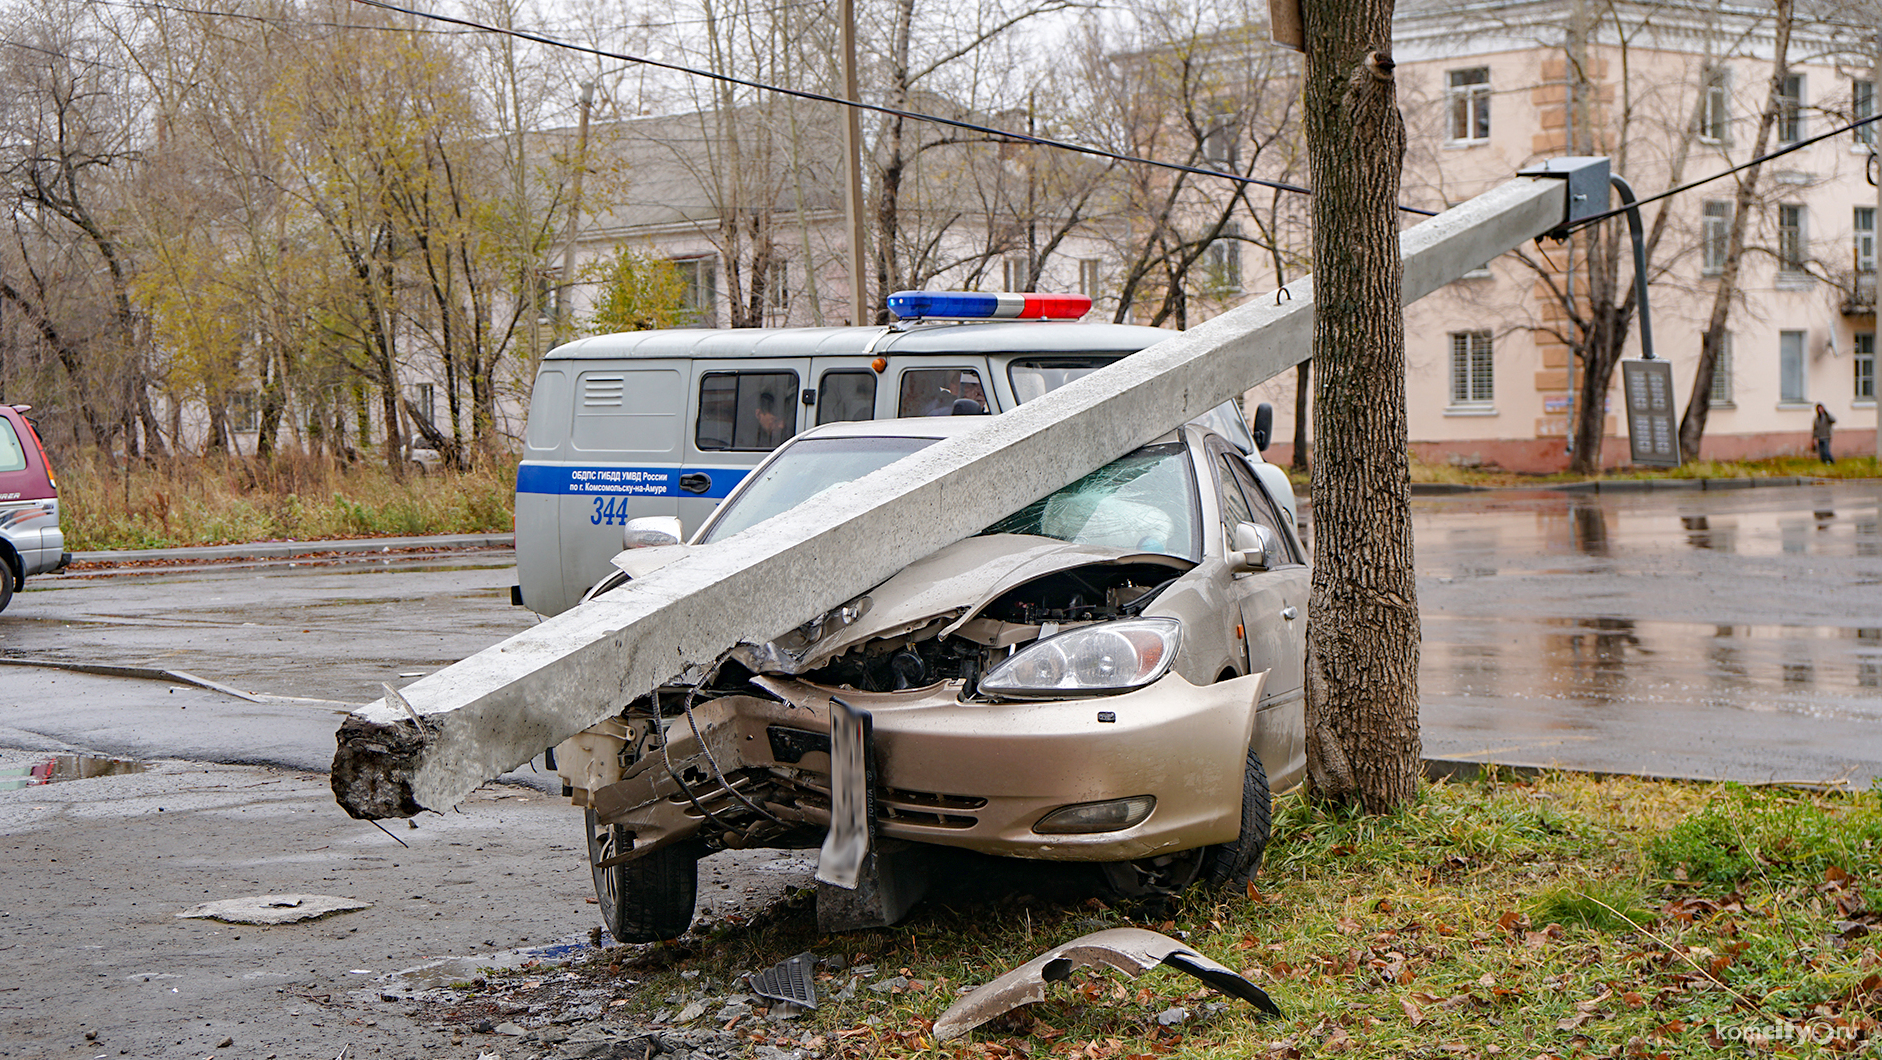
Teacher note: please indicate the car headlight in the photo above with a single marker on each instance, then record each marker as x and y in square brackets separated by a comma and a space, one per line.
[1090, 660]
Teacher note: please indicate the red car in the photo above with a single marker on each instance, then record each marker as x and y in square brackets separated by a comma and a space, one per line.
[30, 539]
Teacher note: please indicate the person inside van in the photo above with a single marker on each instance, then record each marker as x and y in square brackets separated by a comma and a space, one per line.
[771, 430]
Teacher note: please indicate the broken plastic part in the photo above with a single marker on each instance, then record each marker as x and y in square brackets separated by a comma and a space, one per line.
[788, 980]
[1129, 950]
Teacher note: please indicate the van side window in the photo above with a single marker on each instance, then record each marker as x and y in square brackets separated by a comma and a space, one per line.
[936, 392]
[12, 453]
[846, 394]
[752, 411]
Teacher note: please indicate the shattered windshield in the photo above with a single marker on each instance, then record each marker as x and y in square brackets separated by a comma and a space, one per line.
[804, 469]
[1144, 502]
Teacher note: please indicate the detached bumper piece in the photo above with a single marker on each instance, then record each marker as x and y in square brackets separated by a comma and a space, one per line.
[1129, 950]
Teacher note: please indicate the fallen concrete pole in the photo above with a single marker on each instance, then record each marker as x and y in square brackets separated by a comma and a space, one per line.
[495, 710]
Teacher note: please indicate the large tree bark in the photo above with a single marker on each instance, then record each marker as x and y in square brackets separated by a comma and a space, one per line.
[1362, 682]
[1692, 425]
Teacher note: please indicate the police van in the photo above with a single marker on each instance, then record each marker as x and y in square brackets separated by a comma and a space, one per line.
[665, 423]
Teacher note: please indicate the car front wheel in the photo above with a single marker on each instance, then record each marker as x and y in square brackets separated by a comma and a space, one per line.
[1232, 864]
[650, 898]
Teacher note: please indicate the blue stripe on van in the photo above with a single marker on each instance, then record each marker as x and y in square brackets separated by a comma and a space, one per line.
[618, 480]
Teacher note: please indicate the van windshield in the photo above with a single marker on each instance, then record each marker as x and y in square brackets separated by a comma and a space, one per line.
[12, 453]
[803, 470]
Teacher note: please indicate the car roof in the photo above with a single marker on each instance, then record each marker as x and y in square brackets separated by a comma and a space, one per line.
[1048, 337]
[912, 427]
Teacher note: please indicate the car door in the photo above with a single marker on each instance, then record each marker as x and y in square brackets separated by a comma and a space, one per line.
[1273, 607]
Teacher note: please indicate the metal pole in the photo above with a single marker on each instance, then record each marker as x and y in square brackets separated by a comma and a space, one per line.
[853, 160]
[566, 289]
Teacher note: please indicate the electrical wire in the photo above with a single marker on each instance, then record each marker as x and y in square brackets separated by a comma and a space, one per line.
[876, 108]
[1761, 159]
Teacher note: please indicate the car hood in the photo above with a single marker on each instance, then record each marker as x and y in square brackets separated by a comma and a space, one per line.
[952, 585]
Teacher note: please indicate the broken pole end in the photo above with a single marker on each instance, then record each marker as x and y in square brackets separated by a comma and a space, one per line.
[373, 767]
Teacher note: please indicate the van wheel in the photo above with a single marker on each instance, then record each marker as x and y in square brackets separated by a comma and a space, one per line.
[649, 899]
[8, 582]
[1232, 864]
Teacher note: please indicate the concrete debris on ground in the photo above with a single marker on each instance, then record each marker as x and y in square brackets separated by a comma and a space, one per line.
[272, 908]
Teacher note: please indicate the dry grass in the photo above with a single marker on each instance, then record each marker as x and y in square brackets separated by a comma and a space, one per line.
[1561, 917]
[210, 501]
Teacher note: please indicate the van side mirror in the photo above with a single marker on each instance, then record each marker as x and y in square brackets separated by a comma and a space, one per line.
[1255, 548]
[651, 531]
[1263, 426]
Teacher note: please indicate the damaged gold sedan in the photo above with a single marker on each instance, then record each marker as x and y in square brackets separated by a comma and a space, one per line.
[1110, 675]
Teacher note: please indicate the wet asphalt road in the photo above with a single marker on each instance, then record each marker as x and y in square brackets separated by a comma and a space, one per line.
[1717, 634]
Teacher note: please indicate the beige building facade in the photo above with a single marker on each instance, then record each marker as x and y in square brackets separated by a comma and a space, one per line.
[1672, 93]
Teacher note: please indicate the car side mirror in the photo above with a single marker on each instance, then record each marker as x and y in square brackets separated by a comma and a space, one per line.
[1263, 428]
[1256, 548]
[651, 531]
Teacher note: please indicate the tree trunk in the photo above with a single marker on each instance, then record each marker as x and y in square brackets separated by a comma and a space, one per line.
[1362, 681]
[1692, 425]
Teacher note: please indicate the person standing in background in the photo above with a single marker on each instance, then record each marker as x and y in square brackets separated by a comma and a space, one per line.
[1821, 430]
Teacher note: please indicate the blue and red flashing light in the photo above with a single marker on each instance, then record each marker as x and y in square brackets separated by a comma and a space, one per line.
[977, 305]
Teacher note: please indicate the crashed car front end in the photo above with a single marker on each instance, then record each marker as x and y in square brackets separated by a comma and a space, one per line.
[1026, 697]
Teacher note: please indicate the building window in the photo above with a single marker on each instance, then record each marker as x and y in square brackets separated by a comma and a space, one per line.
[1865, 366]
[1469, 92]
[1473, 379]
[778, 291]
[1222, 261]
[1715, 110]
[702, 289]
[1220, 149]
[423, 401]
[1862, 105]
[1715, 231]
[1865, 238]
[1790, 238]
[1722, 375]
[245, 411]
[1790, 110]
[1790, 367]
[1018, 270]
[1088, 277]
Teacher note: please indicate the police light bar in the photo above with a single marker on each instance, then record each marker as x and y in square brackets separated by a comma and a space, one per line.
[976, 305]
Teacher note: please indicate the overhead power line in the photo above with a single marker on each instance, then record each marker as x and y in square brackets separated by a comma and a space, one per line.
[876, 108]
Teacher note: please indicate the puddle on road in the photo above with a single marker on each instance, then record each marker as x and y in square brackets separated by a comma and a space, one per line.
[67, 767]
[1804, 670]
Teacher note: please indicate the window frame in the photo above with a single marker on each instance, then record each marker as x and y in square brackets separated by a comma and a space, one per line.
[1467, 105]
[1862, 105]
[1715, 108]
[1791, 126]
[1791, 367]
[1222, 260]
[1862, 367]
[1792, 238]
[701, 295]
[1721, 395]
[1715, 235]
[1472, 370]
[1863, 236]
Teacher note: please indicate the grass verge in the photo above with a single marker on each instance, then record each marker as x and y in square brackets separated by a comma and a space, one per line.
[1564, 916]
[208, 501]
[1854, 467]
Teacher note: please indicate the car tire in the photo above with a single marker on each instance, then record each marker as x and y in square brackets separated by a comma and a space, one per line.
[1233, 864]
[9, 581]
[648, 899]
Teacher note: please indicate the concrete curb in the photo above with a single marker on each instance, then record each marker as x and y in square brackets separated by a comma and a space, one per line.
[289, 549]
[1625, 485]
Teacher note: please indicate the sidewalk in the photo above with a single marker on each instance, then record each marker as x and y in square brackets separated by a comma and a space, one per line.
[290, 549]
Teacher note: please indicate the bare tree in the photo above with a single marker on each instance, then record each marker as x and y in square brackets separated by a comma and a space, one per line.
[1692, 425]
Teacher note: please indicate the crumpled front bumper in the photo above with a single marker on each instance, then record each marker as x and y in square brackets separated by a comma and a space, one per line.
[972, 775]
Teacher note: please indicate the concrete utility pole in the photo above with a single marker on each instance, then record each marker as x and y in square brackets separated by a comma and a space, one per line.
[473, 720]
[565, 290]
[853, 169]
